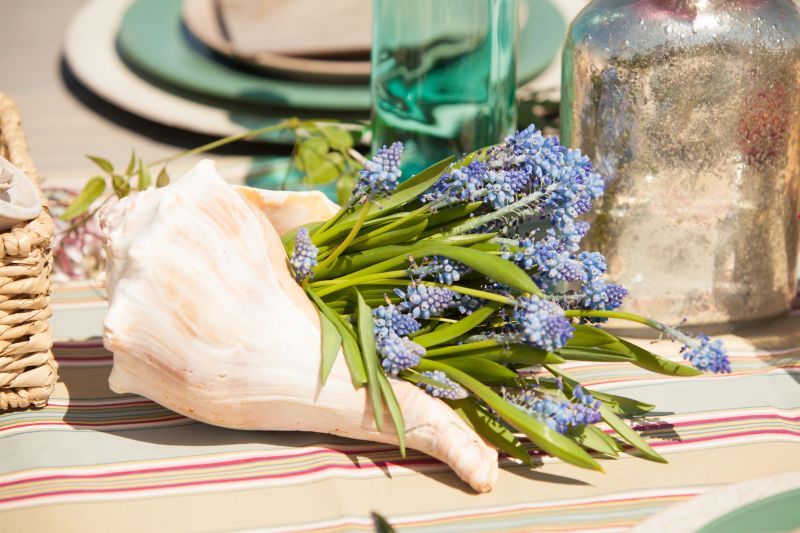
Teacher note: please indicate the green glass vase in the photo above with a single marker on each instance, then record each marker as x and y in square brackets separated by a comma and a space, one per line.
[443, 76]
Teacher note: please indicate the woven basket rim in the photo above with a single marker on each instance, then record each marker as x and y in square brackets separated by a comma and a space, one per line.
[38, 232]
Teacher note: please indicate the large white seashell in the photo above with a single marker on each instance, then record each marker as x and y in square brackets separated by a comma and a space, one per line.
[206, 319]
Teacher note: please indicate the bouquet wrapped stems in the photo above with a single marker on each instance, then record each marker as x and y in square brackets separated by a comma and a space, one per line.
[469, 272]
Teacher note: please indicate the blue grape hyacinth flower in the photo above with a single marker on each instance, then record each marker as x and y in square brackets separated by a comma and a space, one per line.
[381, 173]
[390, 319]
[708, 356]
[425, 301]
[450, 390]
[399, 353]
[542, 324]
[304, 255]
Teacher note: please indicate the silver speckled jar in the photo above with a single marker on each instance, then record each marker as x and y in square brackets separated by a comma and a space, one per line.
[691, 109]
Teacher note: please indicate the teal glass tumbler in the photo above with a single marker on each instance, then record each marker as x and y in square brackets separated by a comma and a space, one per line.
[443, 76]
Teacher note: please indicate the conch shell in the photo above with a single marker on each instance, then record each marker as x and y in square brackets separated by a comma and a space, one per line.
[206, 319]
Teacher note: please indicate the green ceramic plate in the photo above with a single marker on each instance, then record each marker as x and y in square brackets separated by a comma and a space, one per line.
[780, 512]
[153, 40]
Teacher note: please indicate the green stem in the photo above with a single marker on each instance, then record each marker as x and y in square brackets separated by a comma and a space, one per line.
[285, 124]
[377, 280]
[475, 292]
[362, 216]
[392, 225]
[519, 205]
[392, 274]
[631, 317]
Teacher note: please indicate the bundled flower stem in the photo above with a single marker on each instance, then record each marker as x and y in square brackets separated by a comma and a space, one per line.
[471, 271]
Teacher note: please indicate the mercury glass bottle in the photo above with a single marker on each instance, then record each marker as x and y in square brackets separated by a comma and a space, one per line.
[691, 109]
[443, 76]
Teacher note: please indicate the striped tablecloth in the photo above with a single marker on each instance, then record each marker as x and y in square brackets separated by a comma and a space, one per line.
[96, 461]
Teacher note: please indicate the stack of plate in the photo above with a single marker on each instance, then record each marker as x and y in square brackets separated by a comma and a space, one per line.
[225, 66]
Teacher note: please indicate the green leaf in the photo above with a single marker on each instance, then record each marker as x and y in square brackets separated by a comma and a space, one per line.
[650, 361]
[449, 332]
[623, 405]
[490, 429]
[590, 337]
[394, 410]
[131, 164]
[313, 145]
[93, 189]
[595, 439]
[443, 216]
[317, 168]
[104, 164]
[491, 266]
[344, 188]
[620, 404]
[629, 434]
[366, 334]
[163, 178]
[338, 138]
[399, 235]
[482, 369]
[145, 179]
[518, 354]
[331, 342]
[594, 354]
[390, 257]
[121, 186]
[544, 437]
[425, 177]
[381, 524]
[352, 352]
[408, 191]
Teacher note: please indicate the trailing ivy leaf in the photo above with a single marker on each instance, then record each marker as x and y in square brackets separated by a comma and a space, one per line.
[331, 342]
[490, 429]
[394, 411]
[317, 168]
[544, 437]
[366, 335]
[344, 188]
[145, 179]
[121, 186]
[93, 189]
[449, 332]
[163, 178]
[104, 164]
[482, 369]
[131, 164]
[313, 145]
[338, 138]
[650, 361]
[627, 433]
[352, 352]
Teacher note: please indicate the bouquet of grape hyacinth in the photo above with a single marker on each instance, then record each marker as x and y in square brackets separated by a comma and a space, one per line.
[468, 273]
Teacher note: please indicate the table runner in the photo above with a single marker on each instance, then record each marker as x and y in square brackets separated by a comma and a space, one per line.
[93, 460]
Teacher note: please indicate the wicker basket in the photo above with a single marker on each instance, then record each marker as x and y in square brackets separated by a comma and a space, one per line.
[27, 367]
